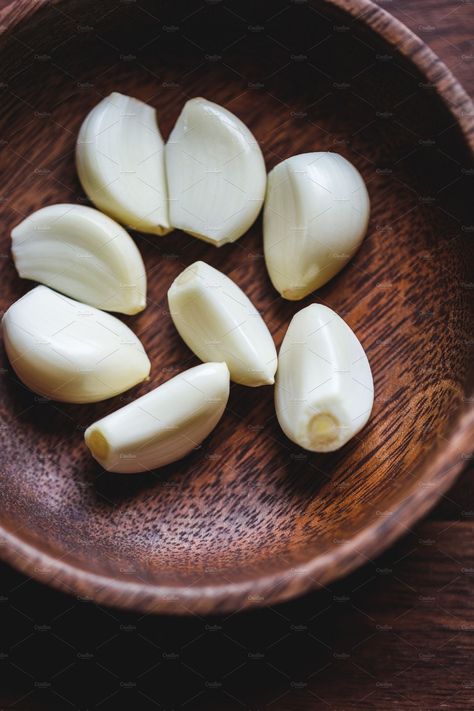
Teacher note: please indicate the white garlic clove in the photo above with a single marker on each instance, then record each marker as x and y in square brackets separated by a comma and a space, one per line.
[81, 253]
[219, 322]
[315, 218]
[120, 163]
[216, 173]
[324, 390]
[67, 351]
[165, 424]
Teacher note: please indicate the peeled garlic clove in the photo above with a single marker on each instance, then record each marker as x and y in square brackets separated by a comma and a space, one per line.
[67, 351]
[324, 390]
[216, 173]
[219, 322]
[165, 424]
[82, 253]
[315, 218]
[120, 162]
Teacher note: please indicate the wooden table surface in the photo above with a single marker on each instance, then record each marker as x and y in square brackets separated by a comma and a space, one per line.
[397, 634]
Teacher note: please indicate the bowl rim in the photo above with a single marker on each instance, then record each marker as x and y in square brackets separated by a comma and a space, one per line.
[287, 583]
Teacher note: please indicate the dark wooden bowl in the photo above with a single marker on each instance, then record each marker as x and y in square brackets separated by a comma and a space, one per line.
[248, 519]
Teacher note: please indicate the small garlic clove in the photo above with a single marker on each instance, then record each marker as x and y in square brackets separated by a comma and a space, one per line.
[165, 424]
[324, 390]
[216, 173]
[120, 163]
[219, 322]
[67, 351]
[81, 253]
[315, 218]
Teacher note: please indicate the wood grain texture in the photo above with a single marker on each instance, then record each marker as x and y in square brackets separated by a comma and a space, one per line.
[397, 634]
[248, 519]
[447, 28]
[87, 648]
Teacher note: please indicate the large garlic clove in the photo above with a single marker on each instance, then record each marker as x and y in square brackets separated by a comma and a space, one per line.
[83, 254]
[315, 218]
[165, 424]
[216, 173]
[120, 162]
[324, 390]
[67, 351]
[219, 322]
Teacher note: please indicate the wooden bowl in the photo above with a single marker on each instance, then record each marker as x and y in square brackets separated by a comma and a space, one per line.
[248, 519]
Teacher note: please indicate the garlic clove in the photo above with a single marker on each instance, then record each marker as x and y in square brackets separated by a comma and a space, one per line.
[165, 424]
[315, 218]
[324, 390]
[67, 351]
[219, 322]
[216, 173]
[83, 254]
[120, 163]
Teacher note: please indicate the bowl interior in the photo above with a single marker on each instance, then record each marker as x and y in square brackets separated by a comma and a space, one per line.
[247, 503]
